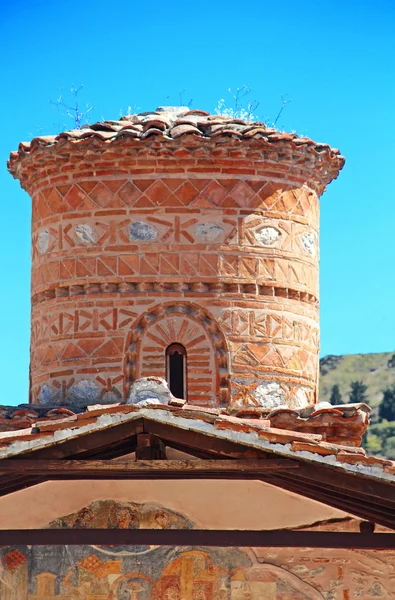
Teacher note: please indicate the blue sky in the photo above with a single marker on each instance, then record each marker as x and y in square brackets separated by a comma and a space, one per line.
[335, 60]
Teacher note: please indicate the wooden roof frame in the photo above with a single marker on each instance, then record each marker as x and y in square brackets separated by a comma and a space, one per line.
[97, 455]
[199, 537]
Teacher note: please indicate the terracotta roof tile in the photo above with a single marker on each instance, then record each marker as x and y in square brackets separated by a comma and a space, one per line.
[59, 412]
[339, 424]
[171, 123]
[352, 459]
[282, 436]
[247, 425]
[343, 423]
[186, 413]
[56, 424]
[253, 433]
[101, 409]
[390, 469]
[17, 434]
[325, 449]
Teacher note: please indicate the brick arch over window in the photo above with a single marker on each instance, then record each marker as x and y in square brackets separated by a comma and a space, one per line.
[204, 342]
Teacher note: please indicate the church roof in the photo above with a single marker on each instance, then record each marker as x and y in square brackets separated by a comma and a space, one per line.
[335, 424]
[337, 475]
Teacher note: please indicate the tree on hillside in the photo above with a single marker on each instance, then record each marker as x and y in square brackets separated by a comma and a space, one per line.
[357, 392]
[387, 405]
[336, 397]
[389, 448]
[391, 362]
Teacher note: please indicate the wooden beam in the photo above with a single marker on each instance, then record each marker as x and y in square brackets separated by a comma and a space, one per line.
[193, 452]
[376, 493]
[362, 482]
[369, 502]
[354, 505]
[144, 469]
[195, 537]
[95, 442]
[9, 485]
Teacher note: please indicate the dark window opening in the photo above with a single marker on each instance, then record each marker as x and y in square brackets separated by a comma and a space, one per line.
[176, 370]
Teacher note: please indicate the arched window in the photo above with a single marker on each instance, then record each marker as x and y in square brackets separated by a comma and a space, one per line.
[176, 370]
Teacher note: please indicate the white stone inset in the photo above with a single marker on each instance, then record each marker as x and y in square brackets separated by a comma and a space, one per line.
[267, 235]
[208, 231]
[85, 233]
[43, 241]
[270, 394]
[309, 243]
[149, 390]
[301, 399]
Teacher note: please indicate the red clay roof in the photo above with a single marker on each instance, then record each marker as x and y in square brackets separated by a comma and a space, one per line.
[339, 424]
[173, 123]
[59, 426]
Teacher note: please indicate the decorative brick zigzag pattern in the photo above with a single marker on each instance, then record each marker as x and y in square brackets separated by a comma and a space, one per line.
[277, 200]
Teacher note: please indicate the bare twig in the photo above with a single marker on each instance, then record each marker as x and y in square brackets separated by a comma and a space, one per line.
[74, 112]
[247, 111]
[284, 103]
[239, 111]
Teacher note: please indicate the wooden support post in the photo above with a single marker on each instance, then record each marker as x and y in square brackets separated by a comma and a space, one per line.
[149, 447]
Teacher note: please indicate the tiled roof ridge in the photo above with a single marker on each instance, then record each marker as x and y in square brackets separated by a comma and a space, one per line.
[28, 411]
[172, 123]
[255, 432]
[311, 421]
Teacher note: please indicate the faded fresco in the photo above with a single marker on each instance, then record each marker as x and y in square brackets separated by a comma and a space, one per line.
[108, 514]
[172, 573]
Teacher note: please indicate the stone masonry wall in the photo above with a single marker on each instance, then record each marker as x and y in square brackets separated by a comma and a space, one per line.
[136, 247]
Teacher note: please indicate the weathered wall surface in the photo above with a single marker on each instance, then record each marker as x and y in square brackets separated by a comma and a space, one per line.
[227, 240]
[242, 504]
[171, 573]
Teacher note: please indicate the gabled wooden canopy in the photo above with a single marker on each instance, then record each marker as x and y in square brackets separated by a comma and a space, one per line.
[364, 496]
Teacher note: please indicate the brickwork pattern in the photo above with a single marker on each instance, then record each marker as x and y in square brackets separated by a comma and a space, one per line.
[117, 232]
[206, 348]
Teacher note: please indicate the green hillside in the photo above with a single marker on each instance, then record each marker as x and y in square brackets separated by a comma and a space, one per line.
[377, 371]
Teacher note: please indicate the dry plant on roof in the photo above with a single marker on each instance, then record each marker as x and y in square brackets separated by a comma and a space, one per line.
[239, 110]
[73, 110]
[246, 110]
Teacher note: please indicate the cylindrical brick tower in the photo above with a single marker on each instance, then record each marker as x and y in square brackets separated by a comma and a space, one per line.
[175, 244]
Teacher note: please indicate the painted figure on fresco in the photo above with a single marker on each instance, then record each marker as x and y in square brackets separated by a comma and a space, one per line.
[108, 514]
[123, 517]
[142, 573]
